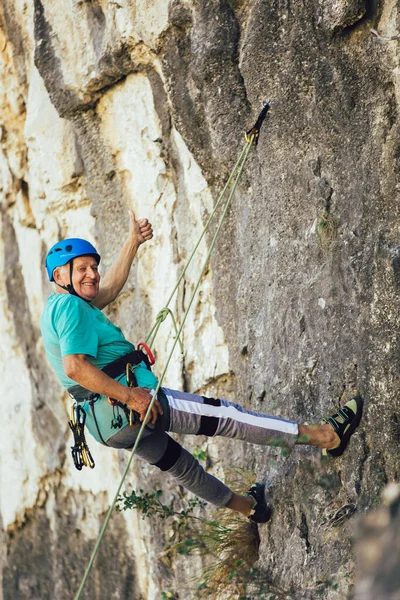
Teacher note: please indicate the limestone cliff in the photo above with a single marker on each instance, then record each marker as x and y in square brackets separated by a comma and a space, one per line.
[109, 105]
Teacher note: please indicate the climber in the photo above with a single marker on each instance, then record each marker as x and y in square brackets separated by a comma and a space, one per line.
[89, 355]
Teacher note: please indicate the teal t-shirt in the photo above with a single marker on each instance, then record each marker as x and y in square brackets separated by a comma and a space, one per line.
[70, 325]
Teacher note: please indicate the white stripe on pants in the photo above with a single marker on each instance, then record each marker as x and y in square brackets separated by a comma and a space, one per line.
[187, 413]
[231, 420]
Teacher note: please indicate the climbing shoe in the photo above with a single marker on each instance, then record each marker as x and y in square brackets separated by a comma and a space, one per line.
[262, 510]
[344, 423]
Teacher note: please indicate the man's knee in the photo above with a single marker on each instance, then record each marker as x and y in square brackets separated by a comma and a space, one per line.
[171, 455]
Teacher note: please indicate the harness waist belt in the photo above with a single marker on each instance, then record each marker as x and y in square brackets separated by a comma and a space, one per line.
[113, 369]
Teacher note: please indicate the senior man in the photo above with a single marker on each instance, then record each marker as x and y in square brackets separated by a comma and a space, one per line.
[89, 355]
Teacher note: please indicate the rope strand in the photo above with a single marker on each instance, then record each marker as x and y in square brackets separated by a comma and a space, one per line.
[149, 340]
[162, 315]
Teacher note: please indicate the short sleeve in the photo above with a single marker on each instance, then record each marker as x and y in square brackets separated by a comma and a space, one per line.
[75, 328]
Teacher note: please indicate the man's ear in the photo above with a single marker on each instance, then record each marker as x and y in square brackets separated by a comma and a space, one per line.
[58, 275]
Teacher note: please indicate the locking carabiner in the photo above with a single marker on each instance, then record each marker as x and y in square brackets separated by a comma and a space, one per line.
[144, 347]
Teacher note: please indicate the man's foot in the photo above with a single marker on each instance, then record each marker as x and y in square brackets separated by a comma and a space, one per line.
[262, 510]
[344, 423]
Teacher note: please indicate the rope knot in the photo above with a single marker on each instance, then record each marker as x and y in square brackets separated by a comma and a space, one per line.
[163, 314]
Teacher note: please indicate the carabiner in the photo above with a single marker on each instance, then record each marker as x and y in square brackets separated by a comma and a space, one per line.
[142, 346]
[80, 450]
[77, 457]
[80, 416]
[133, 418]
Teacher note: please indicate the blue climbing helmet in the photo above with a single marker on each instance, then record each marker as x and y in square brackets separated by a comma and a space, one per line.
[65, 251]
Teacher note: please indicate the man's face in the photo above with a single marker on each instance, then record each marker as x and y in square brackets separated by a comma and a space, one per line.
[85, 277]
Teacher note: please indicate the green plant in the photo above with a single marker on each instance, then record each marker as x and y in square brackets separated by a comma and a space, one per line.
[228, 544]
[199, 454]
[150, 504]
[326, 230]
[323, 585]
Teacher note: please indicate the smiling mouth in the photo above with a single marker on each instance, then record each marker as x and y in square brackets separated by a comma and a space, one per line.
[89, 284]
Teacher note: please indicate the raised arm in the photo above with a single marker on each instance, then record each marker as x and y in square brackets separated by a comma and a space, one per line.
[140, 231]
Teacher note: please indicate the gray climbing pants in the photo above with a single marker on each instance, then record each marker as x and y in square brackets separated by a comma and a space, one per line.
[191, 414]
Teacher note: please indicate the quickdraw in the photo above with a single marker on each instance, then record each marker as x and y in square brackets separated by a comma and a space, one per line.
[252, 134]
[80, 450]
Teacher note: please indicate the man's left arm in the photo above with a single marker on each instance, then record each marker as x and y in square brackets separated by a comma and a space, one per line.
[140, 231]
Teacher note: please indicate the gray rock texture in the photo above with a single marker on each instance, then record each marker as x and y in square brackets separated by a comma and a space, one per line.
[377, 543]
[113, 105]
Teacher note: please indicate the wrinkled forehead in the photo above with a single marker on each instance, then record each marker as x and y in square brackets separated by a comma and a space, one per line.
[85, 261]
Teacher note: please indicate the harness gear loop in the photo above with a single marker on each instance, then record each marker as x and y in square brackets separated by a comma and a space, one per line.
[235, 173]
[80, 450]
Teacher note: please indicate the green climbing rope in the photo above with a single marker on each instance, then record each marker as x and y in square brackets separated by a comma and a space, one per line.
[162, 315]
[236, 173]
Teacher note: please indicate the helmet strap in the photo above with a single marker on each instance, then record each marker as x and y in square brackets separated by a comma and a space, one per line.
[70, 288]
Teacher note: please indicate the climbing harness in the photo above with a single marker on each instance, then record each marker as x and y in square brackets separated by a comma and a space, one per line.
[80, 450]
[114, 369]
[125, 364]
[251, 138]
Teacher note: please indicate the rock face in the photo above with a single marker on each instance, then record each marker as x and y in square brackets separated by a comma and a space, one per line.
[107, 106]
[378, 537]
